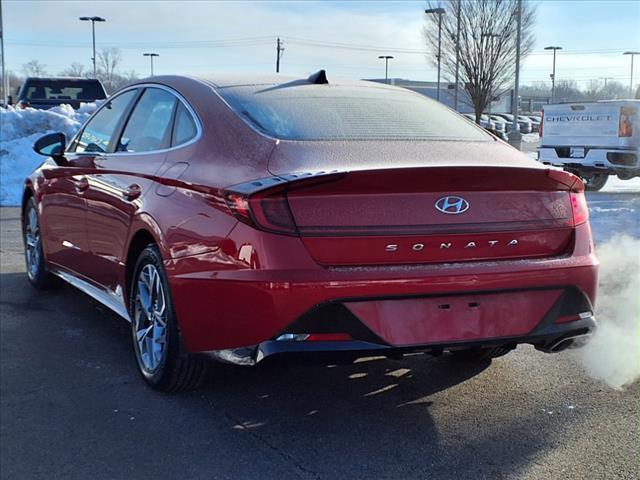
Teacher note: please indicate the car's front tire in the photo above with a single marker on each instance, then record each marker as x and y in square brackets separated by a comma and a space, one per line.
[37, 272]
[159, 352]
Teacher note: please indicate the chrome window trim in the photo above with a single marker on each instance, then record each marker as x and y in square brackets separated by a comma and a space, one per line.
[190, 109]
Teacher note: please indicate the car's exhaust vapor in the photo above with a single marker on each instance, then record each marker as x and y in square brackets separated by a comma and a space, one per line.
[613, 354]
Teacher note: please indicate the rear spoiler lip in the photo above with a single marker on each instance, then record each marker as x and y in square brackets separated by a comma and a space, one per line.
[569, 180]
[295, 180]
[281, 182]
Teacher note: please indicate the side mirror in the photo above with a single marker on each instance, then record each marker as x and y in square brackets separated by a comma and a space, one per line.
[52, 145]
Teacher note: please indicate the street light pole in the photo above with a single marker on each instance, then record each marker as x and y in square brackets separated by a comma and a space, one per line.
[386, 66]
[438, 11]
[515, 137]
[553, 75]
[631, 76]
[93, 21]
[606, 79]
[151, 55]
[455, 95]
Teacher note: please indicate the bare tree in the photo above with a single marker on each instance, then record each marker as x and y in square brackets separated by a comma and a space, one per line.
[75, 70]
[108, 61]
[614, 90]
[34, 69]
[568, 91]
[487, 48]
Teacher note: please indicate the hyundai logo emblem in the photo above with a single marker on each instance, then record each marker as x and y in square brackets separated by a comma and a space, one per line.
[452, 205]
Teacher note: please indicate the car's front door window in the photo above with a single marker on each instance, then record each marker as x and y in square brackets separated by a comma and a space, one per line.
[149, 126]
[96, 136]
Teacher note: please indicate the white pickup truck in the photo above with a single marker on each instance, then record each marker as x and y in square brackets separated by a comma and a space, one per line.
[592, 140]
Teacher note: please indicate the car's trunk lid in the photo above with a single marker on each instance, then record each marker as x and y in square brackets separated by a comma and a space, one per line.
[382, 207]
[437, 214]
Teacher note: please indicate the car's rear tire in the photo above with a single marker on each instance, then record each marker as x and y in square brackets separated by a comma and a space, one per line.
[479, 354]
[37, 271]
[161, 358]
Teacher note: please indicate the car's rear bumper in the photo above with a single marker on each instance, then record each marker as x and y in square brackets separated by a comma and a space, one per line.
[548, 337]
[595, 158]
[412, 306]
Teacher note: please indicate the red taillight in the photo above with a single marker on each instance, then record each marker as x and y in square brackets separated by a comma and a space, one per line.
[541, 123]
[625, 127]
[268, 212]
[23, 104]
[579, 208]
[263, 203]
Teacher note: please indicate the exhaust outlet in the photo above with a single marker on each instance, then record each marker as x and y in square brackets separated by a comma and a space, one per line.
[571, 342]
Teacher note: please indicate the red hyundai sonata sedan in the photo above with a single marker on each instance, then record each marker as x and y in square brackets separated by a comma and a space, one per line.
[248, 217]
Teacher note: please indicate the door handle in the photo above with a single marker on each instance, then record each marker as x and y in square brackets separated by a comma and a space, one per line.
[132, 192]
[82, 184]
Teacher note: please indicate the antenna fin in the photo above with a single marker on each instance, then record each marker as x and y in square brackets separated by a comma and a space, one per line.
[318, 78]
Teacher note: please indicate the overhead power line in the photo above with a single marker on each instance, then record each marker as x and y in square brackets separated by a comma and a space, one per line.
[269, 39]
[239, 42]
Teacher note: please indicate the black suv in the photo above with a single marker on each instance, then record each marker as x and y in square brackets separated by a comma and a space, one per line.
[45, 93]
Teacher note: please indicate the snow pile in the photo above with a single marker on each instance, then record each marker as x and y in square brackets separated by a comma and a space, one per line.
[613, 354]
[614, 184]
[19, 129]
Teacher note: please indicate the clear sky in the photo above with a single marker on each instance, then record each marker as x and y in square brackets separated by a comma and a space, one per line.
[239, 36]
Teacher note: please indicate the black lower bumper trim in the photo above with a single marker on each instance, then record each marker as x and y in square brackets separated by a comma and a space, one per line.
[544, 338]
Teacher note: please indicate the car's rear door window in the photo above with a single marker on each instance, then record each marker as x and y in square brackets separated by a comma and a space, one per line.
[185, 127]
[96, 136]
[149, 126]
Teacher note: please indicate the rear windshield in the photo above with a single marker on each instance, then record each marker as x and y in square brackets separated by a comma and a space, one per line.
[330, 112]
[64, 90]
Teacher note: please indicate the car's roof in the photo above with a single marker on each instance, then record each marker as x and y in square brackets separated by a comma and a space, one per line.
[49, 79]
[226, 81]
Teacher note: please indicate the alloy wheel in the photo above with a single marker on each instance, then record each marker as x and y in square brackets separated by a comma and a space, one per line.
[150, 321]
[32, 242]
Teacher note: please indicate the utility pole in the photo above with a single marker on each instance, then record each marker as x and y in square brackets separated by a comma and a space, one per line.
[386, 66]
[151, 55]
[438, 11]
[455, 93]
[553, 75]
[279, 50]
[93, 21]
[631, 77]
[515, 138]
[5, 83]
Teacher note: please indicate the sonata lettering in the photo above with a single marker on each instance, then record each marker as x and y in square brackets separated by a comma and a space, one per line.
[418, 247]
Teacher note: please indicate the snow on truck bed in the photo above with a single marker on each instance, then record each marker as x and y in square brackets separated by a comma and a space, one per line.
[21, 128]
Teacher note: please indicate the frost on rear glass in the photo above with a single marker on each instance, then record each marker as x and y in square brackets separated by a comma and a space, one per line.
[329, 112]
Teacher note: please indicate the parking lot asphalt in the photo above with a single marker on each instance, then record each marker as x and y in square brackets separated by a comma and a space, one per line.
[72, 406]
